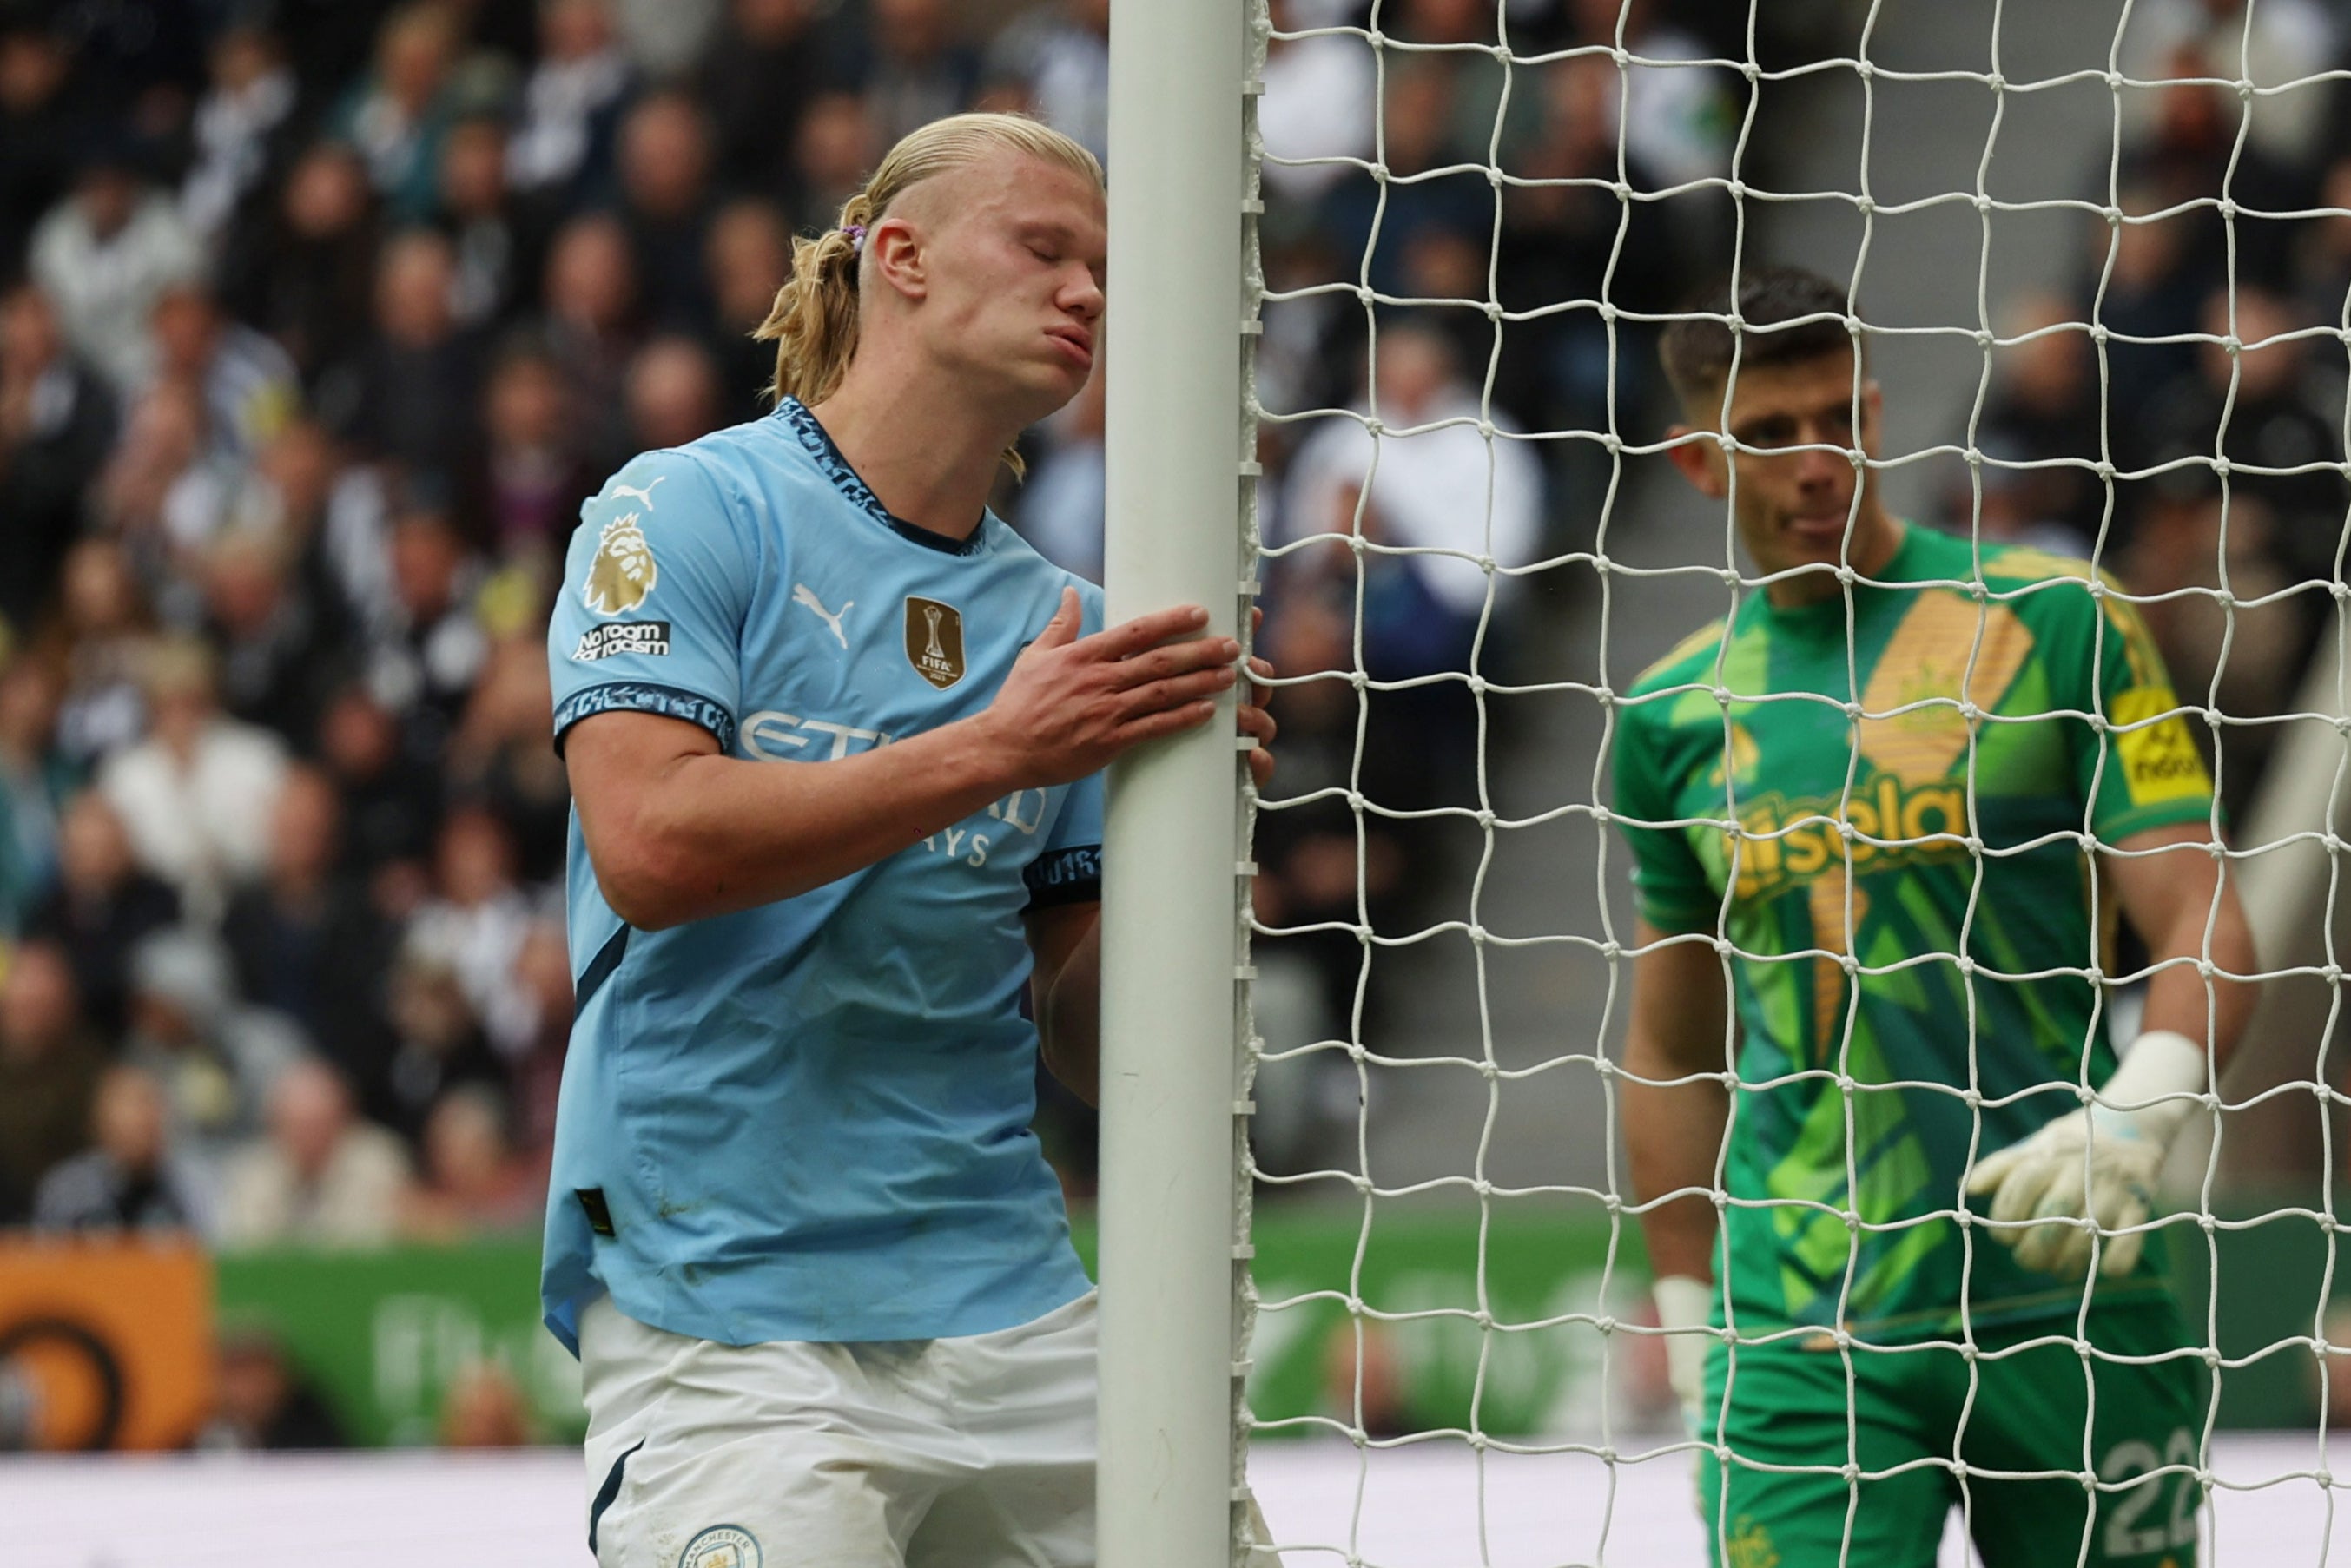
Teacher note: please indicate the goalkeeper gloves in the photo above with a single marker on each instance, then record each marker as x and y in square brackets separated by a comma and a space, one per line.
[2099, 1163]
[1685, 1309]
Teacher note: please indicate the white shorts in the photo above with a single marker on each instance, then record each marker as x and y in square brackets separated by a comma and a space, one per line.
[976, 1452]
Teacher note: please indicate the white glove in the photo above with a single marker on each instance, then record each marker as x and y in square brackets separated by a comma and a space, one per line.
[2118, 1143]
[1687, 1306]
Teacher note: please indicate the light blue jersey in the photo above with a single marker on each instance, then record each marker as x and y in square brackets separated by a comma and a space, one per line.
[809, 1120]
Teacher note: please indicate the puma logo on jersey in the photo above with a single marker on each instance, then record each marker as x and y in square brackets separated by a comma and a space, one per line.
[803, 594]
[644, 495]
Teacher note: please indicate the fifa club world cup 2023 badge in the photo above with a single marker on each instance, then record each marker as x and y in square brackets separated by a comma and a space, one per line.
[934, 640]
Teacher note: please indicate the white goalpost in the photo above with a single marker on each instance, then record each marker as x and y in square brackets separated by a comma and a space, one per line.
[1170, 1476]
[1364, 1194]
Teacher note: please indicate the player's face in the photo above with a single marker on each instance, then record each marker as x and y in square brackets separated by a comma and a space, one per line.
[1015, 285]
[1794, 486]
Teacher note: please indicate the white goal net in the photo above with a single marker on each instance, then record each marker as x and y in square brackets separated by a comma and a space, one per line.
[1925, 836]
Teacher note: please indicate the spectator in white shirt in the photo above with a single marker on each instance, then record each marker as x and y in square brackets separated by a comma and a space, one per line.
[197, 793]
[103, 255]
[1450, 488]
[1320, 97]
[321, 1178]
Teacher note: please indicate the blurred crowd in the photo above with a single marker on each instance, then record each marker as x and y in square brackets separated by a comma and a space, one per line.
[318, 321]
[319, 318]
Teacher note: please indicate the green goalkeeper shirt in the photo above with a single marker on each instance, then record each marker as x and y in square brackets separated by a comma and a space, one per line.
[1740, 765]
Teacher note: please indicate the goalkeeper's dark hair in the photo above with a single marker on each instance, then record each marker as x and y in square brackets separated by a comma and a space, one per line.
[1787, 315]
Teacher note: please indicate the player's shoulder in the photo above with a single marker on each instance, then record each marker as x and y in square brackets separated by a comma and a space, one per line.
[2051, 590]
[1691, 659]
[2005, 568]
[666, 489]
[2012, 565]
[672, 508]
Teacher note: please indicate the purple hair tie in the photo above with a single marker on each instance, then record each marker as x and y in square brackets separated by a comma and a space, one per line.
[856, 233]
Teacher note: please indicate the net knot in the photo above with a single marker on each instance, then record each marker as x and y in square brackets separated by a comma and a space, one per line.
[1995, 81]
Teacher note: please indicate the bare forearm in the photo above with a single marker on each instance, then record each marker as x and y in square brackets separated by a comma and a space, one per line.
[720, 835]
[2174, 890]
[1673, 1136]
[1069, 1026]
[2179, 998]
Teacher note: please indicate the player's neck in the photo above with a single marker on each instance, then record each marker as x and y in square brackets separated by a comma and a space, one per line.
[1876, 537]
[927, 456]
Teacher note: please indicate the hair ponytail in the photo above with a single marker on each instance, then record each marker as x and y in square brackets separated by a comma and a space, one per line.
[813, 322]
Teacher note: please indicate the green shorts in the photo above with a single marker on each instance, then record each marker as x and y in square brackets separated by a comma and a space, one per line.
[1784, 1500]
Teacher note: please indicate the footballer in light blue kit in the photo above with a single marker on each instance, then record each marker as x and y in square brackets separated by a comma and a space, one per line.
[867, 1033]
[835, 736]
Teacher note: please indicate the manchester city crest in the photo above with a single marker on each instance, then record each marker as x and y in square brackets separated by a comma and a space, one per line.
[621, 572]
[721, 1546]
[935, 642]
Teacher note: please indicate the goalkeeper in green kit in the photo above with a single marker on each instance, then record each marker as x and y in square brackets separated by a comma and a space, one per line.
[1920, 1219]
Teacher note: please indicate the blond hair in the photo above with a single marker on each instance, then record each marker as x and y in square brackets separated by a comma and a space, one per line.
[813, 322]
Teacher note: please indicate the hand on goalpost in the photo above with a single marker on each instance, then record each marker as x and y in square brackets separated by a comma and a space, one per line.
[2098, 1164]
